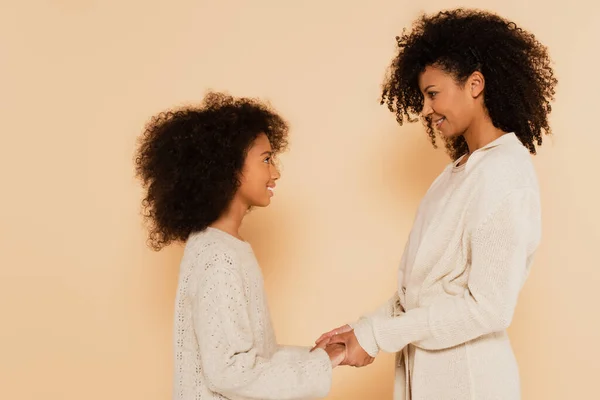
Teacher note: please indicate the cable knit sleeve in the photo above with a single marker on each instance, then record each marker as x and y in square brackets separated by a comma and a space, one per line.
[390, 308]
[501, 246]
[230, 362]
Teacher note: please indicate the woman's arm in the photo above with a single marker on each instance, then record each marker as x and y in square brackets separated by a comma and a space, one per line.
[501, 246]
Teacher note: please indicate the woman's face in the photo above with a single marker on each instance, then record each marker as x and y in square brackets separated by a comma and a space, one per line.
[450, 106]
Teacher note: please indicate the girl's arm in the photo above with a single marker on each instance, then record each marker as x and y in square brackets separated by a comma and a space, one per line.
[229, 359]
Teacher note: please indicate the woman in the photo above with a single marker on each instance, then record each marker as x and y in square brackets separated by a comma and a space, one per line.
[484, 85]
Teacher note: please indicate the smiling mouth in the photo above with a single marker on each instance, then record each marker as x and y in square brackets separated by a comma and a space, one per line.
[438, 122]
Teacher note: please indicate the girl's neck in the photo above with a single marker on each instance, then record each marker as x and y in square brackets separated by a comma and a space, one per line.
[231, 220]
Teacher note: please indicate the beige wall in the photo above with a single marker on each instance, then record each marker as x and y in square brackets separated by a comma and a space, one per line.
[86, 308]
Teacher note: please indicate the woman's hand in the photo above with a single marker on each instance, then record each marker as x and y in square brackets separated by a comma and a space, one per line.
[336, 353]
[323, 340]
[356, 356]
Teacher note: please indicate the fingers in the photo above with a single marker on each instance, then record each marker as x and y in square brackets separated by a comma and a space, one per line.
[338, 339]
[321, 344]
[326, 335]
[337, 354]
[358, 363]
[356, 356]
[336, 331]
[365, 362]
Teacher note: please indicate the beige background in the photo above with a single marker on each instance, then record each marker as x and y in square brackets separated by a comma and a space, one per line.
[86, 308]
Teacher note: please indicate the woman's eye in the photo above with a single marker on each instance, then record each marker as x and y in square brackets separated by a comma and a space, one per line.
[432, 94]
[268, 160]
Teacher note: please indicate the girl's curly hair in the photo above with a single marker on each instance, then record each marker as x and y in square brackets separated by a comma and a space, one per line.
[190, 160]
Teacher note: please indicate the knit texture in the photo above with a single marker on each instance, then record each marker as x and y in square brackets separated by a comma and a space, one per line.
[225, 346]
[463, 267]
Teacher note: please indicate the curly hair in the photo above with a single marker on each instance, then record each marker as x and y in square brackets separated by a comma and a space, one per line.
[519, 80]
[190, 160]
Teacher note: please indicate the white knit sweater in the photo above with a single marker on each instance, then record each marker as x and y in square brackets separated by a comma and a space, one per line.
[225, 347]
[464, 270]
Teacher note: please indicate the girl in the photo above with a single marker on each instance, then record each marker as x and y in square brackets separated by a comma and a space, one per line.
[484, 85]
[203, 169]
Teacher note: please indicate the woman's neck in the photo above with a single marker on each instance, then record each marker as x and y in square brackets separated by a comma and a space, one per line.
[480, 133]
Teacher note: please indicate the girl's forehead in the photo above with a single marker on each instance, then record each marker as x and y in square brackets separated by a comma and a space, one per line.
[261, 144]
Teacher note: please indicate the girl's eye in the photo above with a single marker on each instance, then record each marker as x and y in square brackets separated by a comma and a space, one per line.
[268, 160]
[432, 94]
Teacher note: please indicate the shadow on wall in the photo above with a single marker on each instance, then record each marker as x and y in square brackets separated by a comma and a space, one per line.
[405, 164]
[400, 166]
[394, 170]
[410, 164]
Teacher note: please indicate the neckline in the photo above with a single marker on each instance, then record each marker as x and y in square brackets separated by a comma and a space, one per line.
[459, 168]
[496, 142]
[228, 236]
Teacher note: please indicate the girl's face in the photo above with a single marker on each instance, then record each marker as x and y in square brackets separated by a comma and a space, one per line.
[257, 182]
[449, 106]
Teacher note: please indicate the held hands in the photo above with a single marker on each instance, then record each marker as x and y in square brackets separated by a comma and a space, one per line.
[336, 353]
[343, 347]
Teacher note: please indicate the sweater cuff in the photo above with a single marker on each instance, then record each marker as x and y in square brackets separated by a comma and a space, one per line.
[363, 330]
[395, 333]
[320, 362]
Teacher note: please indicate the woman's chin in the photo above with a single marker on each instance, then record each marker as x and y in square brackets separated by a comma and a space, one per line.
[448, 135]
[445, 133]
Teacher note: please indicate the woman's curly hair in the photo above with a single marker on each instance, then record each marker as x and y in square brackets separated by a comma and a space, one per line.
[190, 160]
[519, 81]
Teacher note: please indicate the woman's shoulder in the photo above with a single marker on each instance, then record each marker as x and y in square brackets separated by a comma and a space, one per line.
[506, 168]
[499, 174]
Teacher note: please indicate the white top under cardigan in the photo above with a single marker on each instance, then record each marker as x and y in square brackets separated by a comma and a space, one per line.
[464, 264]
